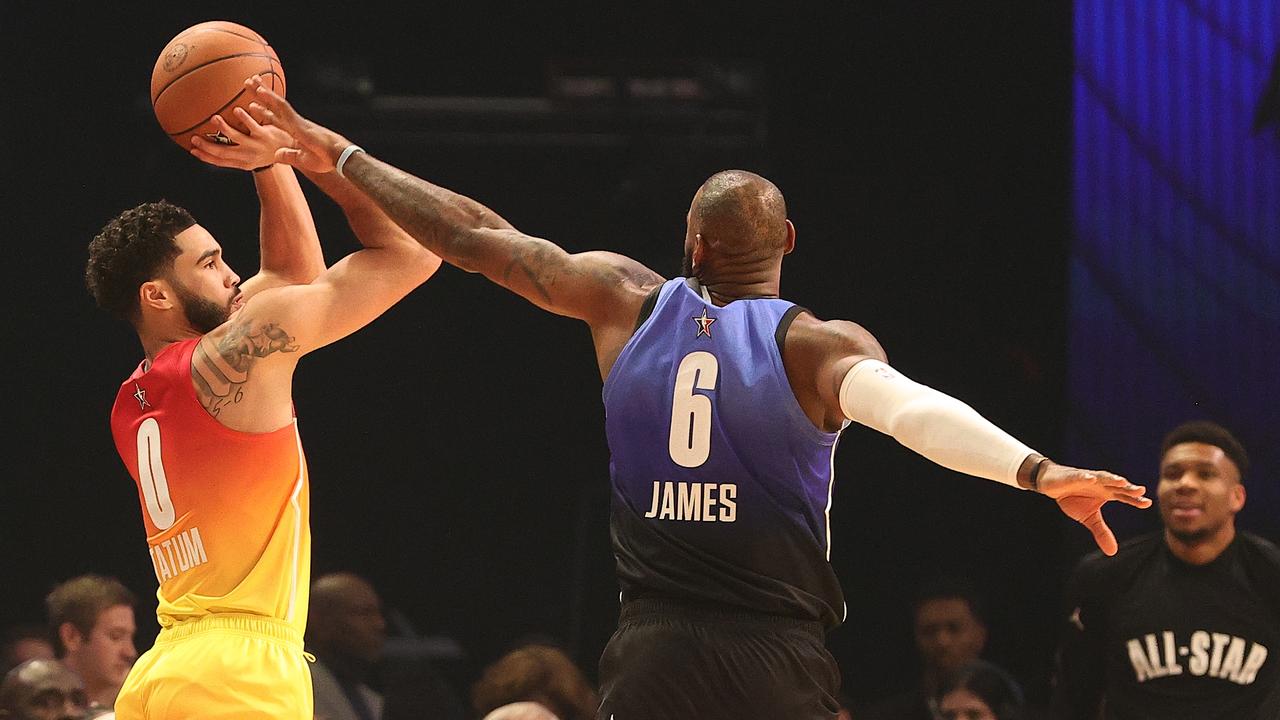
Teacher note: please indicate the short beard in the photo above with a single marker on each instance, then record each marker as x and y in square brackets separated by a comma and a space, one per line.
[203, 315]
[686, 266]
[1194, 537]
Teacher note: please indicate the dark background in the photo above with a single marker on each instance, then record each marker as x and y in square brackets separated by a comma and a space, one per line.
[456, 445]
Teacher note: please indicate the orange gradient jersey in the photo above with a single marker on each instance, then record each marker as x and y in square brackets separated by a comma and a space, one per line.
[226, 512]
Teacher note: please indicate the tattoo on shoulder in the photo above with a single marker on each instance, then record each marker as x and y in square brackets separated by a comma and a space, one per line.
[220, 369]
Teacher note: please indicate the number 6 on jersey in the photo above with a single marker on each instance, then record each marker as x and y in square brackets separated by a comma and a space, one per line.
[690, 441]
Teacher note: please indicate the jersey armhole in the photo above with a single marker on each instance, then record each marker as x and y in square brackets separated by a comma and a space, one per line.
[784, 324]
[646, 309]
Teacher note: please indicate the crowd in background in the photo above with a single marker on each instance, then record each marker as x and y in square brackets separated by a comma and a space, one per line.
[73, 663]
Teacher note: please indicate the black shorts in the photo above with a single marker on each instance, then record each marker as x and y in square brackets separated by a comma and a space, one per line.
[669, 661]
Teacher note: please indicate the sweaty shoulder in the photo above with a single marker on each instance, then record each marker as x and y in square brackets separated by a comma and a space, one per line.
[816, 354]
[810, 335]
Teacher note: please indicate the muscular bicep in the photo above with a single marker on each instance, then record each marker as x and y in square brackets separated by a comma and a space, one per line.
[343, 299]
[592, 286]
[846, 344]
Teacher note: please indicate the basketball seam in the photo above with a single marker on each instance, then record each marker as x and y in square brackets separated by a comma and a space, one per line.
[230, 102]
[259, 39]
[201, 65]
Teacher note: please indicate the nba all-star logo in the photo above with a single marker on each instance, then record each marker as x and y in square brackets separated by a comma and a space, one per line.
[141, 396]
[704, 324]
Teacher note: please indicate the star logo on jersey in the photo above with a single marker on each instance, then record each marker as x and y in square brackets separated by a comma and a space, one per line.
[704, 324]
[141, 396]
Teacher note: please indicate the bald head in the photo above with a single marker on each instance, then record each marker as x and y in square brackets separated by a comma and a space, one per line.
[739, 212]
[521, 711]
[40, 690]
[345, 620]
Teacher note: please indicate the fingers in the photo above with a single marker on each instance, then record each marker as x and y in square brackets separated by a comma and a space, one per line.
[1141, 503]
[1102, 534]
[221, 125]
[267, 96]
[288, 156]
[249, 122]
[197, 149]
[261, 115]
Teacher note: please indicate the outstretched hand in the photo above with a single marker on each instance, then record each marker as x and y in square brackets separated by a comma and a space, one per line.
[1080, 495]
[315, 148]
[256, 148]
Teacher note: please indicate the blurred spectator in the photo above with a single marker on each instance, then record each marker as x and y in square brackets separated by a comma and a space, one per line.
[91, 621]
[980, 691]
[538, 674]
[521, 711]
[21, 643]
[42, 690]
[950, 633]
[346, 631]
[1182, 623]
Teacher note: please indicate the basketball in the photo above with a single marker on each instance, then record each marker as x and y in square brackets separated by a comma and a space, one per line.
[201, 73]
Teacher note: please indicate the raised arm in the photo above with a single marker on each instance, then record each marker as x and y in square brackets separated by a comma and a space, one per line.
[604, 289]
[247, 363]
[843, 371]
[289, 247]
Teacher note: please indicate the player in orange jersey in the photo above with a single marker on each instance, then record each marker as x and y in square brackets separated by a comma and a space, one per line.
[205, 425]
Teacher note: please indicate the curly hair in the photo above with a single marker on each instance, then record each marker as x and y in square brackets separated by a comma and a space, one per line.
[136, 246]
[537, 673]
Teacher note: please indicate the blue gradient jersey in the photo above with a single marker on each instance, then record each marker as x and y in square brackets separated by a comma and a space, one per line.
[721, 483]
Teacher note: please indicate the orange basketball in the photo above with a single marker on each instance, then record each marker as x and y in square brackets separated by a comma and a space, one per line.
[201, 73]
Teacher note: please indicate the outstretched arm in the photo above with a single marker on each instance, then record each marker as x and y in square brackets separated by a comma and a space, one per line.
[289, 246]
[602, 288]
[853, 381]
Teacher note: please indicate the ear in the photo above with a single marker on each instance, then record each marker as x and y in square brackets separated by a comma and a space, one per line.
[155, 294]
[699, 249]
[70, 636]
[791, 239]
[1238, 495]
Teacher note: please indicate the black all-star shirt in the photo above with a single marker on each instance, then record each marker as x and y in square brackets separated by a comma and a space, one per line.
[1150, 636]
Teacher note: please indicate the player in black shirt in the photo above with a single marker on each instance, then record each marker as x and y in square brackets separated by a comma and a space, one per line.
[1183, 623]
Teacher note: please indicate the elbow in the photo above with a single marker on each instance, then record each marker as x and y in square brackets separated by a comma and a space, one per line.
[426, 263]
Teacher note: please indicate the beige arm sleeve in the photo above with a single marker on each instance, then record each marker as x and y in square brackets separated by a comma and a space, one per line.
[935, 425]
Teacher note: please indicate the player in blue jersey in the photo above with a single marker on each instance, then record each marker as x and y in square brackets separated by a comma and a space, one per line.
[723, 404]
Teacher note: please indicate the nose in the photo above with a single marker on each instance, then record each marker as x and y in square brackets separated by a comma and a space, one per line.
[71, 710]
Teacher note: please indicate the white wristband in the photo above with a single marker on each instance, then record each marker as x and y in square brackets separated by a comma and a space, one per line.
[352, 149]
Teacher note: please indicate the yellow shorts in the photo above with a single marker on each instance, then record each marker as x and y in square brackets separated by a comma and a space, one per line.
[220, 666]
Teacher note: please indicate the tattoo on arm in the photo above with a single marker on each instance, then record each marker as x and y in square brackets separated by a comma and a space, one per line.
[220, 373]
[535, 276]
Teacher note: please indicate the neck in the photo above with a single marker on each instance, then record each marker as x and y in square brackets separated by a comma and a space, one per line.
[98, 690]
[1201, 551]
[153, 342]
[727, 287]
